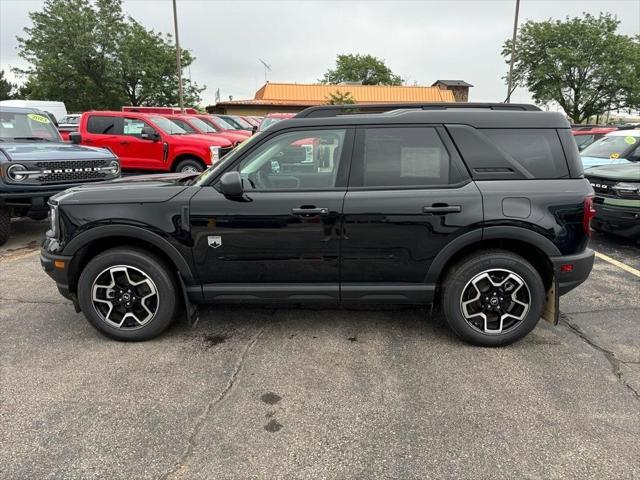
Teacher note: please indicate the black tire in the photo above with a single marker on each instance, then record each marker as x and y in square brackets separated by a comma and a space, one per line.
[5, 225]
[189, 165]
[477, 268]
[140, 263]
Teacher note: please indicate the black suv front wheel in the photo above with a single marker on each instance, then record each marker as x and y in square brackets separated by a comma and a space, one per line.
[493, 298]
[128, 294]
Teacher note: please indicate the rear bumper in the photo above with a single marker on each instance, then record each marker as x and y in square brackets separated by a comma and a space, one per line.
[581, 265]
[618, 220]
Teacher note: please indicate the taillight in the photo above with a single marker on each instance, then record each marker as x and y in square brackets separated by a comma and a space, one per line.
[588, 213]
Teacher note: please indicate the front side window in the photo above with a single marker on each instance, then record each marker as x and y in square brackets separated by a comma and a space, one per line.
[302, 160]
[401, 157]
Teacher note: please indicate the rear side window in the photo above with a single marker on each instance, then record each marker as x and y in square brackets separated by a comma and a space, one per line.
[538, 151]
[402, 157]
[102, 125]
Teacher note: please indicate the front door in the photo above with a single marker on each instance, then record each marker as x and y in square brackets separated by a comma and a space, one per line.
[140, 153]
[282, 240]
[409, 196]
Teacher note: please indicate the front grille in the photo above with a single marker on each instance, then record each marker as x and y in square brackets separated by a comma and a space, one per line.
[53, 172]
[602, 186]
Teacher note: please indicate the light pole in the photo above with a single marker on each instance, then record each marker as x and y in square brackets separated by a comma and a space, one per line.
[513, 52]
[178, 55]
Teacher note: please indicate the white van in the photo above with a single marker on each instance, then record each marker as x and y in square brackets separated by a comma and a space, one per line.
[57, 109]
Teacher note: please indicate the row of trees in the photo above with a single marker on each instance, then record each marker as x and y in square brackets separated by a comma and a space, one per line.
[90, 55]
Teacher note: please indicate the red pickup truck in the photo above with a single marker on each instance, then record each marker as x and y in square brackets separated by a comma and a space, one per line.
[223, 128]
[194, 125]
[149, 142]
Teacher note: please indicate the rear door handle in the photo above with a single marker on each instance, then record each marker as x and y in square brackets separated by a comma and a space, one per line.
[310, 211]
[442, 209]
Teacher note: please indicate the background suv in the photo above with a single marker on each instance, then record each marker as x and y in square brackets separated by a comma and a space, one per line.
[483, 209]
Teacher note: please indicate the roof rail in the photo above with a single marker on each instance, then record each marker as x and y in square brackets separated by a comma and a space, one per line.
[360, 108]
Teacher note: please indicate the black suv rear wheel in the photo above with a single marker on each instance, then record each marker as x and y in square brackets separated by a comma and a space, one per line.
[493, 298]
[128, 294]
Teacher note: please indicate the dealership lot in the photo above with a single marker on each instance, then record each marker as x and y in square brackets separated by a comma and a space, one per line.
[285, 392]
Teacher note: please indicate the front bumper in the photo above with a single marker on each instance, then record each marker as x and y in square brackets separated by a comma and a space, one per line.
[31, 199]
[581, 265]
[618, 220]
[58, 268]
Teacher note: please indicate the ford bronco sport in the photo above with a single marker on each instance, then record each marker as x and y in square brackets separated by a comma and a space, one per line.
[480, 208]
[35, 164]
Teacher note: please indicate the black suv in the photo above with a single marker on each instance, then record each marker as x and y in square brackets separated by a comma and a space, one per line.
[35, 163]
[481, 208]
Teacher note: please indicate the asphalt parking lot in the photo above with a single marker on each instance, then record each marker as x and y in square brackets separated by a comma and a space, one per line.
[318, 393]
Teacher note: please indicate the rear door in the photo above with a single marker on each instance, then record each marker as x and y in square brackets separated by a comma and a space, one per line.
[409, 195]
[105, 131]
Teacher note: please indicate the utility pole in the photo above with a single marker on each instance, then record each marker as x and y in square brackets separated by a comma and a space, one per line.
[178, 55]
[513, 52]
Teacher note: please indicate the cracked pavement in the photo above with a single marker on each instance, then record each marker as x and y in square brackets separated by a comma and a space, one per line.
[290, 392]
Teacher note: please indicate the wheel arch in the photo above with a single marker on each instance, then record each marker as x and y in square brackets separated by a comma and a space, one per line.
[528, 244]
[87, 245]
[187, 156]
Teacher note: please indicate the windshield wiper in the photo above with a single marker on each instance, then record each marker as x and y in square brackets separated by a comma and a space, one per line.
[31, 138]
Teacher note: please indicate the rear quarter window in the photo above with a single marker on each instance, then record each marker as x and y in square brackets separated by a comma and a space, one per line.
[104, 125]
[538, 151]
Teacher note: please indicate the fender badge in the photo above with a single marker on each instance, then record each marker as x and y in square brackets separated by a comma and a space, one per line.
[214, 241]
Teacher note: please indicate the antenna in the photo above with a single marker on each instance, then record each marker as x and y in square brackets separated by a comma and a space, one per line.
[267, 67]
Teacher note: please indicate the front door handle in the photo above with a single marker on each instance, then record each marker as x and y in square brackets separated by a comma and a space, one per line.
[442, 209]
[310, 211]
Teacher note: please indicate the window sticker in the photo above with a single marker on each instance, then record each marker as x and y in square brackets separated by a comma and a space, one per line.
[614, 155]
[7, 125]
[38, 118]
[630, 140]
[133, 128]
[420, 162]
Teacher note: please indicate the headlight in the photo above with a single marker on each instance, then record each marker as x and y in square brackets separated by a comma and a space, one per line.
[17, 173]
[214, 154]
[114, 167]
[53, 221]
[627, 189]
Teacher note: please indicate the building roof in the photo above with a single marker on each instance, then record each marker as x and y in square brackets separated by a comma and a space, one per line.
[296, 94]
[452, 83]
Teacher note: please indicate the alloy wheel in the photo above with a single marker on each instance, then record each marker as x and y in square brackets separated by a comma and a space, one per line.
[495, 301]
[125, 297]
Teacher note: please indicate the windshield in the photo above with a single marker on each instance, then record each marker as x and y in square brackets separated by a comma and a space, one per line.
[202, 126]
[224, 124]
[168, 126]
[267, 122]
[184, 125]
[611, 146]
[70, 120]
[241, 123]
[27, 126]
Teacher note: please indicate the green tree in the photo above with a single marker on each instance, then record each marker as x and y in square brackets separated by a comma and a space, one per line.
[87, 54]
[340, 98]
[581, 63]
[366, 69]
[6, 87]
[147, 68]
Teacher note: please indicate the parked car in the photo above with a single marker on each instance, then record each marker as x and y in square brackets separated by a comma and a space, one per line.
[236, 121]
[35, 164]
[68, 124]
[57, 109]
[224, 129]
[617, 200]
[253, 121]
[620, 146]
[586, 135]
[484, 212]
[273, 118]
[150, 143]
[194, 126]
[161, 110]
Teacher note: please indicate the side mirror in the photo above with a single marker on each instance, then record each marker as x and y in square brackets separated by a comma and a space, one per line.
[254, 129]
[149, 133]
[75, 138]
[231, 184]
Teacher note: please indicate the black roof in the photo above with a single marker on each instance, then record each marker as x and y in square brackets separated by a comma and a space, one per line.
[453, 83]
[530, 117]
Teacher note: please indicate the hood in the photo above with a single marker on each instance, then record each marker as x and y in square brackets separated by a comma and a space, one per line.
[210, 138]
[588, 162]
[629, 171]
[136, 189]
[37, 151]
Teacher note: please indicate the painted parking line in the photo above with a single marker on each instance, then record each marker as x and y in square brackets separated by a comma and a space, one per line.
[619, 264]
